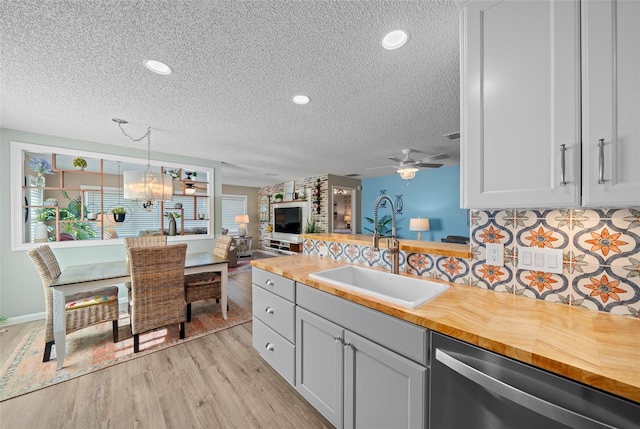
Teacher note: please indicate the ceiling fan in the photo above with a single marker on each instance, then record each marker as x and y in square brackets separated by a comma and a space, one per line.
[407, 166]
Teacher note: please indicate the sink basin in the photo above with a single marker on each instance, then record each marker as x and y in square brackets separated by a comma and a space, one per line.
[401, 290]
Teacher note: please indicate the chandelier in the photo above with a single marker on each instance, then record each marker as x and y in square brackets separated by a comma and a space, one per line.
[146, 186]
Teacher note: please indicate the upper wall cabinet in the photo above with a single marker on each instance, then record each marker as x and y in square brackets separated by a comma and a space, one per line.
[611, 103]
[521, 104]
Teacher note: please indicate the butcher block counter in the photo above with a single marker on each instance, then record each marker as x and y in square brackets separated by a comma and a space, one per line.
[592, 347]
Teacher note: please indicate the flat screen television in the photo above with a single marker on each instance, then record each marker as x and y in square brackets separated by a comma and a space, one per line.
[287, 220]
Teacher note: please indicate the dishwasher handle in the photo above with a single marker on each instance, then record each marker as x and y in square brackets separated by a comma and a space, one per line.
[511, 393]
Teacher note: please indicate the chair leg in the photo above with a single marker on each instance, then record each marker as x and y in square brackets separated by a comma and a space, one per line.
[182, 330]
[189, 312]
[136, 343]
[47, 351]
[115, 331]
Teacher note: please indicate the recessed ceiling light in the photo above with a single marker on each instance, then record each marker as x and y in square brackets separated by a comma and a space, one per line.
[300, 99]
[158, 67]
[395, 39]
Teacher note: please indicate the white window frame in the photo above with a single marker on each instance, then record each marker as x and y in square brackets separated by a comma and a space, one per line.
[19, 234]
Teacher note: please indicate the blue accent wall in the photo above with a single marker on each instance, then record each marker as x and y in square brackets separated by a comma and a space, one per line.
[433, 193]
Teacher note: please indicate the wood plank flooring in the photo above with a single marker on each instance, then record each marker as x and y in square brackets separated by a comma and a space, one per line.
[217, 381]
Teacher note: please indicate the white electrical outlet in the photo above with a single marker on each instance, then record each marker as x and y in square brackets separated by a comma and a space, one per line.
[495, 254]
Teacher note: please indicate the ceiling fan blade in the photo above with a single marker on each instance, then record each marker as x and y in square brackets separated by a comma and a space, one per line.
[391, 158]
[384, 166]
[426, 165]
[435, 157]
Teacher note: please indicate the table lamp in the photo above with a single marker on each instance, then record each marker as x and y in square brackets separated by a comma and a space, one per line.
[419, 224]
[242, 220]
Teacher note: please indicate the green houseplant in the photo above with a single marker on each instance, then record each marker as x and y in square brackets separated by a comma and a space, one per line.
[172, 216]
[383, 225]
[119, 214]
[277, 197]
[80, 163]
[311, 226]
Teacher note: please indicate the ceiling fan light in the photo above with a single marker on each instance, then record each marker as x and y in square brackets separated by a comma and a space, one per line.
[407, 173]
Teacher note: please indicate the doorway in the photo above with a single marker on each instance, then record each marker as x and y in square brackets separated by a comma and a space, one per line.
[344, 216]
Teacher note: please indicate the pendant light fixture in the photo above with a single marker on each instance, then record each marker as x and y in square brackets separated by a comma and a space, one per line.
[146, 186]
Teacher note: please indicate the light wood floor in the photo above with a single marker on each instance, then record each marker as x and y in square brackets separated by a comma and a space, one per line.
[217, 381]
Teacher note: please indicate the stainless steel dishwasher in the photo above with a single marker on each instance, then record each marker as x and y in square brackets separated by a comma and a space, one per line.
[475, 388]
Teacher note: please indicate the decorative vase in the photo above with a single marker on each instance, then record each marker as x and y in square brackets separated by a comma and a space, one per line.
[40, 233]
[40, 181]
[119, 217]
[78, 168]
[172, 227]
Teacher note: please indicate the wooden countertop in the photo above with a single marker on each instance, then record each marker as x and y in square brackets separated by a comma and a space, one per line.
[593, 347]
[430, 247]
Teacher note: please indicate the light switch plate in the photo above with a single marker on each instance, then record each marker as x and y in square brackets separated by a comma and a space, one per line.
[535, 259]
[495, 254]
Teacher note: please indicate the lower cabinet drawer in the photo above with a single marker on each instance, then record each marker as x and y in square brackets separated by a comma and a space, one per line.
[277, 313]
[276, 350]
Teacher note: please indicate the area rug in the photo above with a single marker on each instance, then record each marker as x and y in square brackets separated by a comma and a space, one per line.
[92, 349]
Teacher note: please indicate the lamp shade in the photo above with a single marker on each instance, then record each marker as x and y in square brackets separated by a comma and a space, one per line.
[242, 218]
[419, 224]
[147, 186]
[347, 218]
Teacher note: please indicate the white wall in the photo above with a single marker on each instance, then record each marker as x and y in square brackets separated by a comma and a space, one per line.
[21, 295]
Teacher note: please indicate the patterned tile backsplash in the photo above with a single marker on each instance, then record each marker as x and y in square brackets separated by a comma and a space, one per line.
[600, 247]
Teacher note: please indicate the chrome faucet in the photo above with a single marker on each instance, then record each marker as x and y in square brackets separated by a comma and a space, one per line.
[392, 244]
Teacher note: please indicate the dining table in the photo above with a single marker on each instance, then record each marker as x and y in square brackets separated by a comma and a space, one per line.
[79, 278]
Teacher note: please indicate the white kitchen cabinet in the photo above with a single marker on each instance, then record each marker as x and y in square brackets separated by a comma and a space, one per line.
[611, 103]
[352, 380]
[273, 309]
[526, 93]
[319, 368]
[520, 104]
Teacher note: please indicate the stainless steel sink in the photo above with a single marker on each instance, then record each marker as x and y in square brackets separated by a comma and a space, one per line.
[401, 290]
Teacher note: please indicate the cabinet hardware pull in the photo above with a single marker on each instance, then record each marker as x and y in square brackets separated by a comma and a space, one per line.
[600, 161]
[345, 344]
[337, 339]
[269, 310]
[511, 393]
[270, 347]
[563, 149]
[269, 283]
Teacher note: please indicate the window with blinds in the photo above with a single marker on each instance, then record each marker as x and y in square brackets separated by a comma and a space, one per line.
[232, 205]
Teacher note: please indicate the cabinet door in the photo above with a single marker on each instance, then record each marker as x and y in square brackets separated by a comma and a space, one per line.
[319, 364]
[520, 104]
[611, 97]
[382, 389]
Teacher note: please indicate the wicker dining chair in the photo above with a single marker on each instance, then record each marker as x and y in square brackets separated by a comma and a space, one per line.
[156, 297]
[82, 309]
[207, 285]
[143, 241]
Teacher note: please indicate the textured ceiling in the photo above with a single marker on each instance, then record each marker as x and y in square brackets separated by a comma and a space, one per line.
[68, 67]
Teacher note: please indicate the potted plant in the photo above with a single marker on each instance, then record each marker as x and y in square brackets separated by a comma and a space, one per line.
[311, 226]
[172, 216]
[277, 197]
[80, 164]
[119, 214]
[40, 166]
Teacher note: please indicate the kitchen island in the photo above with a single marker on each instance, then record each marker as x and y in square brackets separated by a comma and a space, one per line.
[572, 342]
